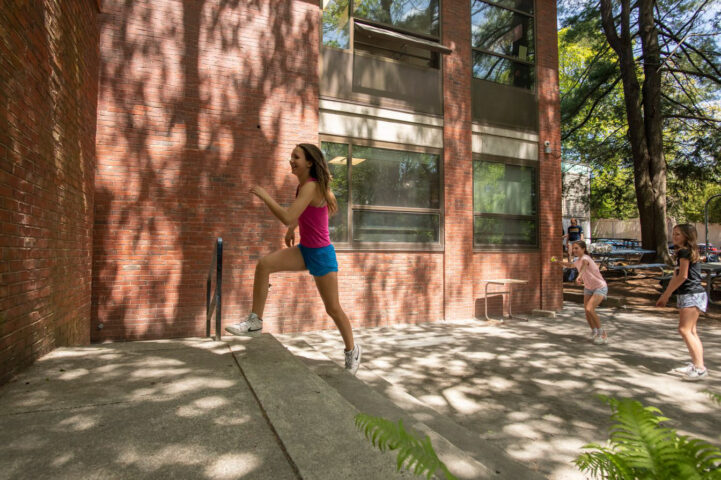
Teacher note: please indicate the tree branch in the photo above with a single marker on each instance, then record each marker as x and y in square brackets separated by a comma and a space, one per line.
[693, 117]
[696, 74]
[593, 107]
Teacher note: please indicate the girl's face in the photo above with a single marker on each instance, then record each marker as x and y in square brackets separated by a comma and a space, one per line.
[298, 163]
[677, 238]
[576, 250]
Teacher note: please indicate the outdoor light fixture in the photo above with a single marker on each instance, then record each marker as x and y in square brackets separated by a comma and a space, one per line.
[547, 146]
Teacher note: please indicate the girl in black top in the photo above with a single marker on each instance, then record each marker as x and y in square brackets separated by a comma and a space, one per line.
[692, 300]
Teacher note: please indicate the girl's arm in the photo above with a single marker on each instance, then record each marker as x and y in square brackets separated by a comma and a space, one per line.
[287, 215]
[584, 263]
[567, 264]
[679, 276]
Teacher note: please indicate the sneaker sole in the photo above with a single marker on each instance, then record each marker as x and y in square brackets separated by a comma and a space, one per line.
[244, 333]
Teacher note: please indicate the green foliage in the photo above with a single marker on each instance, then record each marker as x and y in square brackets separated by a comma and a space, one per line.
[415, 455]
[715, 397]
[641, 448]
[612, 193]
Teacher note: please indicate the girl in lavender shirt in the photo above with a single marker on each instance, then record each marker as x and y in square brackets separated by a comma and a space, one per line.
[313, 203]
[595, 289]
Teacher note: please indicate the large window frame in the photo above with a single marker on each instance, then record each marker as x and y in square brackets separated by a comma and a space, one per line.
[424, 41]
[500, 56]
[485, 247]
[352, 245]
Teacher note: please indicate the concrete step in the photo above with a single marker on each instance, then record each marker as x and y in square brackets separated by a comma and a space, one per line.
[465, 454]
[314, 423]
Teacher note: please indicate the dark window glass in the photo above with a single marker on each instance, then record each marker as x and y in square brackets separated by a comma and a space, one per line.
[522, 5]
[336, 24]
[504, 204]
[394, 178]
[397, 227]
[503, 231]
[419, 16]
[502, 70]
[336, 155]
[501, 31]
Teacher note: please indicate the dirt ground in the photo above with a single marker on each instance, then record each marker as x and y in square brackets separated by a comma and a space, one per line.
[642, 293]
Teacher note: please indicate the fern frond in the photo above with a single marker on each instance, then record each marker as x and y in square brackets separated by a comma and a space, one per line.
[640, 447]
[415, 455]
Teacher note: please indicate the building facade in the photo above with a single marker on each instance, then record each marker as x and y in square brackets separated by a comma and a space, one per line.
[439, 118]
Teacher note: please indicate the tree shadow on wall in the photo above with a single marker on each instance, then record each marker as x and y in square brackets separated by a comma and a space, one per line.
[191, 113]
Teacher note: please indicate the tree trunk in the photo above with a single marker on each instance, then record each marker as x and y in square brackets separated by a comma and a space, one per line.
[643, 114]
[653, 122]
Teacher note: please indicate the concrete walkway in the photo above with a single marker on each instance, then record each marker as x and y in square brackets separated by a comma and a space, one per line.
[184, 409]
[530, 387]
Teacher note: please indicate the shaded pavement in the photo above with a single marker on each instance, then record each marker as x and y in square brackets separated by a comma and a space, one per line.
[183, 408]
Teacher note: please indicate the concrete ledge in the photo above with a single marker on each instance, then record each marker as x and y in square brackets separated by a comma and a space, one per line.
[543, 313]
[315, 424]
[610, 301]
[465, 454]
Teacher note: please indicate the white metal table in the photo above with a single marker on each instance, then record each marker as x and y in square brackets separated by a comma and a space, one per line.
[505, 282]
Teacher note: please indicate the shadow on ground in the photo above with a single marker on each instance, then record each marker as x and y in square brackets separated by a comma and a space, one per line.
[161, 409]
[531, 387]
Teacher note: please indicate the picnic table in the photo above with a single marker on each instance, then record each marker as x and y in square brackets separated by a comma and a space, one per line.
[618, 254]
[712, 271]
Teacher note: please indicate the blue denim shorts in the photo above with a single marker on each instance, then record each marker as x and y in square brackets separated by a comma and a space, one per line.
[319, 261]
[599, 291]
[698, 300]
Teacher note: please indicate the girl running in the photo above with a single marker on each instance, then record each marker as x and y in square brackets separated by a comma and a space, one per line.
[691, 297]
[313, 203]
[595, 289]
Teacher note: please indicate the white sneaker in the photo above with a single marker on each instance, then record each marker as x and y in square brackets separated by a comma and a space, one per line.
[695, 374]
[253, 324]
[685, 370]
[593, 336]
[601, 338]
[353, 359]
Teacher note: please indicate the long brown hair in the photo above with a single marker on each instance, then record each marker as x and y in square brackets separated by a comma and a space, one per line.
[690, 235]
[320, 171]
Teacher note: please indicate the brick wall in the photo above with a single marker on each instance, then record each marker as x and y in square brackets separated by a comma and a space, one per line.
[48, 91]
[549, 129]
[198, 102]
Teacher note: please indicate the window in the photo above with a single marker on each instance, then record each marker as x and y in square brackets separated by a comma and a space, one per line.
[503, 42]
[504, 204]
[403, 30]
[386, 197]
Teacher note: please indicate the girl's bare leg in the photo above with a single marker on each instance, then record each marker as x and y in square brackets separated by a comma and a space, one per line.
[284, 260]
[590, 302]
[687, 328]
[328, 289]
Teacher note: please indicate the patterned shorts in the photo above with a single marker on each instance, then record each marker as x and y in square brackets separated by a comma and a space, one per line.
[698, 300]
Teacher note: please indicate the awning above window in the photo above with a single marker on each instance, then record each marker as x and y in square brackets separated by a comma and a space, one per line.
[409, 39]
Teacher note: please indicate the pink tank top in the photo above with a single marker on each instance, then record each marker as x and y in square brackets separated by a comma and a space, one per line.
[592, 278]
[313, 225]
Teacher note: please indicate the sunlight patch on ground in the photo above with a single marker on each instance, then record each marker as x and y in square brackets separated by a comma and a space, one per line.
[233, 465]
[77, 423]
[202, 406]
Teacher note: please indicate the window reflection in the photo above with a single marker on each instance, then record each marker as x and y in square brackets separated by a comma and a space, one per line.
[336, 24]
[395, 178]
[395, 227]
[336, 155]
[419, 16]
[504, 204]
[502, 70]
[502, 31]
[395, 199]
